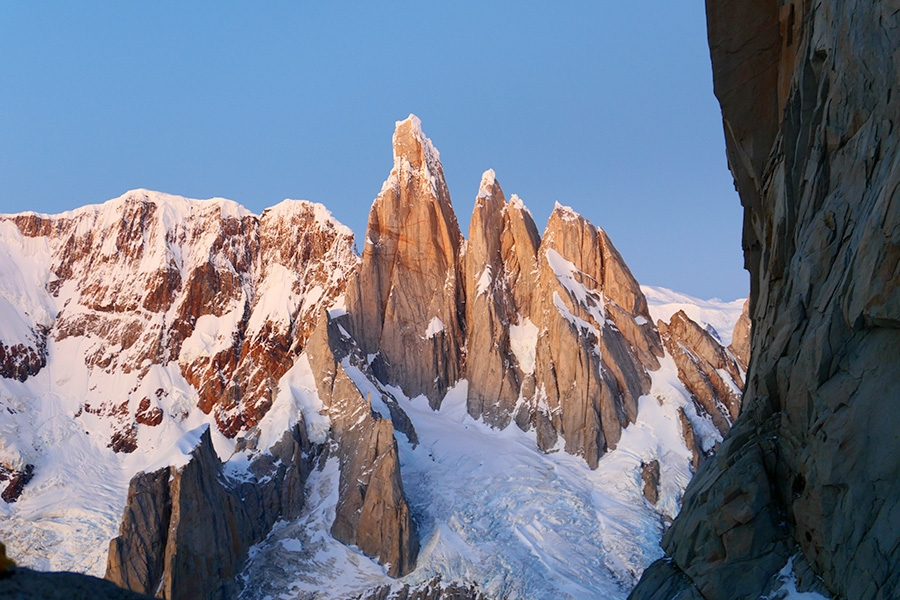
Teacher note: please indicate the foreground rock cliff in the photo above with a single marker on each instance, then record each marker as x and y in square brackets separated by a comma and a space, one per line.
[810, 472]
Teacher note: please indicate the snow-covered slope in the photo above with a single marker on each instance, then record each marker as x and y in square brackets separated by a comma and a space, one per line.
[136, 324]
[494, 510]
[718, 316]
[160, 314]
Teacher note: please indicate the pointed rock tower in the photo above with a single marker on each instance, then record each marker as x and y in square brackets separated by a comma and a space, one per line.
[596, 339]
[405, 302]
[501, 263]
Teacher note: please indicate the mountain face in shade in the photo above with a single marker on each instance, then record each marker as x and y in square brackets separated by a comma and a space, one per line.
[216, 404]
[805, 486]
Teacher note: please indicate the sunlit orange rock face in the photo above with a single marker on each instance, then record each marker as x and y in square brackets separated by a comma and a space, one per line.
[146, 272]
[406, 301]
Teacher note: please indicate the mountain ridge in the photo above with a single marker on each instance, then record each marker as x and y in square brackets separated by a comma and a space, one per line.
[259, 325]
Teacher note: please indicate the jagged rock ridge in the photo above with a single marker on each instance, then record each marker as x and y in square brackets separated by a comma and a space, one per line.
[186, 531]
[809, 472]
[258, 325]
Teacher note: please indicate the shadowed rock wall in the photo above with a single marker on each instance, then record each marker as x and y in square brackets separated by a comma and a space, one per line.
[812, 466]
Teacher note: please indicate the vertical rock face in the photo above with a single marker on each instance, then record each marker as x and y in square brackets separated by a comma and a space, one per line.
[186, 531]
[372, 512]
[406, 301]
[811, 465]
[596, 339]
[650, 480]
[559, 335]
[501, 261]
[709, 372]
[740, 339]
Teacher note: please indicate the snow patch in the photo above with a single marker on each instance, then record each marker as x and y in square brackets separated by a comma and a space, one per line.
[566, 272]
[180, 453]
[484, 281]
[487, 183]
[523, 339]
[516, 203]
[338, 308]
[788, 588]
[435, 326]
[211, 335]
[297, 398]
[24, 274]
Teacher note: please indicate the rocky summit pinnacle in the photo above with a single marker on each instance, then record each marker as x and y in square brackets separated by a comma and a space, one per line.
[405, 301]
[263, 411]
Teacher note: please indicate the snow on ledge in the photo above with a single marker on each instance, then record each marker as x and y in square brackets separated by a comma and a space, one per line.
[435, 326]
[179, 454]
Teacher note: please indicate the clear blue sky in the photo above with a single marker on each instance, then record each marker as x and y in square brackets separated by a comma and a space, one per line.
[604, 106]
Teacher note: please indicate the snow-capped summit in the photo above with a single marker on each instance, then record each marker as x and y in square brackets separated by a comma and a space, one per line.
[207, 402]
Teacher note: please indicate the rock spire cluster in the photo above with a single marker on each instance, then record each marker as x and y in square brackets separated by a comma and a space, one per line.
[201, 312]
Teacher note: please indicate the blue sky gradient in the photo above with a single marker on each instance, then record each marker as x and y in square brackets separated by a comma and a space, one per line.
[603, 106]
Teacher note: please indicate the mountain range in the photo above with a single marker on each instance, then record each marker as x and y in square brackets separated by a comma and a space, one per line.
[200, 402]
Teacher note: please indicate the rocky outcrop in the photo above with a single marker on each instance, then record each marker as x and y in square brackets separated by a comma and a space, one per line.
[559, 335]
[407, 300]
[596, 340]
[15, 481]
[811, 465]
[150, 279]
[186, 531]
[740, 338]
[650, 480]
[691, 440]
[21, 361]
[35, 585]
[501, 273]
[372, 512]
[709, 371]
[432, 590]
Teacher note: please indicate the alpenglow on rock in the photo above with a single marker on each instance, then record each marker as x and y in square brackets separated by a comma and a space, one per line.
[252, 409]
[560, 338]
[501, 262]
[407, 296]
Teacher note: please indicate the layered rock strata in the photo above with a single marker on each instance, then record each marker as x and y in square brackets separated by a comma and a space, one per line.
[186, 531]
[150, 279]
[811, 466]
